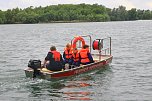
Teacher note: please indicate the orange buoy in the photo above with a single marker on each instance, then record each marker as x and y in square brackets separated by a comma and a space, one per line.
[76, 39]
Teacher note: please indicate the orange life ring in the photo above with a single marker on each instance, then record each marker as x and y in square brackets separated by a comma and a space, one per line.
[75, 40]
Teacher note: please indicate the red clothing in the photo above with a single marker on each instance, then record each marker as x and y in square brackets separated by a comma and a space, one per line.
[56, 55]
[84, 55]
[68, 53]
[55, 61]
[76, 57]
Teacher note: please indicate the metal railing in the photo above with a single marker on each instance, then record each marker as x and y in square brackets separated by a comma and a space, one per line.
[106, 50]
[106, 42]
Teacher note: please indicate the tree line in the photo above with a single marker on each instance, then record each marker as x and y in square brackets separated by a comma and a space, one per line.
[72, 13]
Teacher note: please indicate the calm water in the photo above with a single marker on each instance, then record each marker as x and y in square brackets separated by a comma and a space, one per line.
[128, 77]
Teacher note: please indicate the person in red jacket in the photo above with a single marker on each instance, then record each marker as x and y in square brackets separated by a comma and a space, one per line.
[85, 56]
[54, 60]
[67, 54]
[76, 57]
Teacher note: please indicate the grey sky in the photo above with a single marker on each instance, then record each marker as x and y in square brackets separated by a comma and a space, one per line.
[139, 4]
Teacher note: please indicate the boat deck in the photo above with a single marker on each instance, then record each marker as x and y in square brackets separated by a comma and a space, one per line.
[96, 57]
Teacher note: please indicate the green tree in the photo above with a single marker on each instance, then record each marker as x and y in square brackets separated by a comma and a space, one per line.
[70, 12]
[132, 14]
[119, 14]
[147, 15]
[2, 17]
[140, 14]
[9, 17]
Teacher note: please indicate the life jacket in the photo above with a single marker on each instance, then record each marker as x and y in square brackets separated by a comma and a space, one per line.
[84, 55]
[68, 53]
[56, 55]
[75, 57]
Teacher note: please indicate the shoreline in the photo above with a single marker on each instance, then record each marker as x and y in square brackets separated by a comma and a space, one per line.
[75, 21]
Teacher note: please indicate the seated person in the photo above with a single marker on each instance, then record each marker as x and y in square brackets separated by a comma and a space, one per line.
[76, 57]
[67, 54]
[54, 59]
[85, 56]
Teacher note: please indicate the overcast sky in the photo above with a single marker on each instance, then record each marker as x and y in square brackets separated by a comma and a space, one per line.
[139, 4]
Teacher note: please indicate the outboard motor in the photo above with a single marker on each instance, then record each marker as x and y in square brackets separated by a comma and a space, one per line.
[35, 65]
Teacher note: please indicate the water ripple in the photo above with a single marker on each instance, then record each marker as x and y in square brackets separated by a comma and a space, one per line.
[127, 78]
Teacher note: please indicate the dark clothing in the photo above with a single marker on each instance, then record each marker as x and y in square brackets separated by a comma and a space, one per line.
[90, 58]
[76, 63]
[54, 65]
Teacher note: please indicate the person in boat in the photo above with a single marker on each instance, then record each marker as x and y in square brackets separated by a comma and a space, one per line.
[76, 57]
[53, 61]
[85, 56]
[67, 54]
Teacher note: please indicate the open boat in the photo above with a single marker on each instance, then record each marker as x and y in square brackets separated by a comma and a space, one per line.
[101, 57]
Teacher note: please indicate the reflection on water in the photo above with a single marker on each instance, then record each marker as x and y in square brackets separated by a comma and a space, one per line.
[42, 89]
[77, 84]
[71, 94]
[62, 90]
[75, 88]
[84, 87]
[78, 95]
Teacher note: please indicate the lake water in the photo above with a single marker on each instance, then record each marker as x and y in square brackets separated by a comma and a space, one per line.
[128, 77]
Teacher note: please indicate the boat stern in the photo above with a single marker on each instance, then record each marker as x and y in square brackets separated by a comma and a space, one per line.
[29, 72]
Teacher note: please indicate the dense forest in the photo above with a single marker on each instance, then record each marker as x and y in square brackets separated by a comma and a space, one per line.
[72, 13]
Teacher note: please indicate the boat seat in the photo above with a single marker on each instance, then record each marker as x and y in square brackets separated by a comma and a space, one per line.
[96, 60]
[45, 70]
